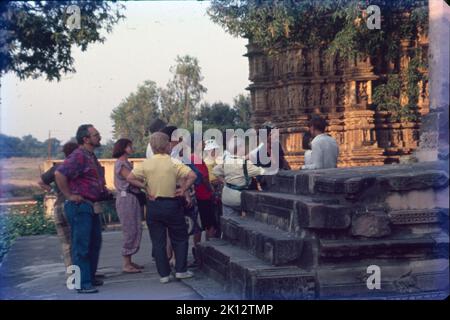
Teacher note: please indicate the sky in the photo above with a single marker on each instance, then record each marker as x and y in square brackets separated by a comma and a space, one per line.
[141, 47]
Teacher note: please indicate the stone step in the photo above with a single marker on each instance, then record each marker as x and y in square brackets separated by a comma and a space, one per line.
[399, 279]
[351, 183]
[252, 278]
[295, 212]
[427, 245]
[266, 242]
[208, 288]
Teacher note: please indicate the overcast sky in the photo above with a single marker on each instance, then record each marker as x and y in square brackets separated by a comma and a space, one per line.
[141, 47]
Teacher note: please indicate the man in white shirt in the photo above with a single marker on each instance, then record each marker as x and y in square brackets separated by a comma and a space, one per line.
[324, 149]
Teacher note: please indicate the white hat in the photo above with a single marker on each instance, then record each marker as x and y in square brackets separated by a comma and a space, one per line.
[211, 144]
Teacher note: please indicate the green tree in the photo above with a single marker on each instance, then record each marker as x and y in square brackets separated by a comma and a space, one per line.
[55, 147]
[105, 150]
[218, 115]
[184, 91]
[31, 147]
[171, 107]
[9, 146]
[339, 28]
[338, 25]
[242, 105]
[132, 116]
[35, 39]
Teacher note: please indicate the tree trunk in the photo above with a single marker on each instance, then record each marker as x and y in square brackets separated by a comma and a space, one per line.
[186, 109]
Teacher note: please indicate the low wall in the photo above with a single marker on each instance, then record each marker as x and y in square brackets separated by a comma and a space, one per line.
[107, 164]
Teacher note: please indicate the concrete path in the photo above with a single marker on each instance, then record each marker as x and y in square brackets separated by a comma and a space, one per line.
[33, 269]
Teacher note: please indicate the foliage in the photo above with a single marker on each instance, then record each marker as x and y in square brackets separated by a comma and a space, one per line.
[23, 221]
[184, 91]
[27, 146]
[386, 96]
[176, 104]
[242, 105]
[132, 116]
[222, 116]
[340, 27]
[109, 212]
[218, 115]
[105, 150]
[36, 41]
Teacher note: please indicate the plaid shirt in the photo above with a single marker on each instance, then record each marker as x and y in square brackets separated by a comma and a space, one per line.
[85, 175]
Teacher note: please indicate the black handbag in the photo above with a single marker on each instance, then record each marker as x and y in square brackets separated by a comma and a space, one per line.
[141, 196]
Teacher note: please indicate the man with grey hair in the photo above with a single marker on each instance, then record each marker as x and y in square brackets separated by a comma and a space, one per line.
[82, 181]
[155, 126]
[159, 176]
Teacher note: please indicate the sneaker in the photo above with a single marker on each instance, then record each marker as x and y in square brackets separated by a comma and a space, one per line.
[165, 279]
[184, 275]
[87, 290]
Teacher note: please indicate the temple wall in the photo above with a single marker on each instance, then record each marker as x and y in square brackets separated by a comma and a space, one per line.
[290, 86]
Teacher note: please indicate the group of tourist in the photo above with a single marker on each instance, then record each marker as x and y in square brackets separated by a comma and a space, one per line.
[203, 185]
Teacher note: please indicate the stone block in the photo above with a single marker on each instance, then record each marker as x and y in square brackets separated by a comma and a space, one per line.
[320, 216]
[415, 180]
[371, 224]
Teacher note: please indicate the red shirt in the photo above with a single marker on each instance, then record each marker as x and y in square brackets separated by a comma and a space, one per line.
[85, 175]
[202, 191]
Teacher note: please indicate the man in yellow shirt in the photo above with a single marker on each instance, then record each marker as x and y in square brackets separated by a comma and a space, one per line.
[160, 176]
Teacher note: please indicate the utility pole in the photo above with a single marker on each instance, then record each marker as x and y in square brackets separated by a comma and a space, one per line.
[49, 145]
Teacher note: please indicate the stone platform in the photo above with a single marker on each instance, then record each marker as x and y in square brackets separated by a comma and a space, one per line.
[313, 234]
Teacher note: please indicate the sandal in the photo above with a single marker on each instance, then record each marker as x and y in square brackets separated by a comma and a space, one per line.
[131, 270]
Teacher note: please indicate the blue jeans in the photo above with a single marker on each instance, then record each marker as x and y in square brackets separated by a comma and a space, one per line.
[86, 235]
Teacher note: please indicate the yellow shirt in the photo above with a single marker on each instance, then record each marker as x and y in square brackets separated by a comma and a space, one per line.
[210, 163]
[160, 173]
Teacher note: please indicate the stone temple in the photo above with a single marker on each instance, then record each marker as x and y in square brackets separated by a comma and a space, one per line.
[327, 234]
[294, 83]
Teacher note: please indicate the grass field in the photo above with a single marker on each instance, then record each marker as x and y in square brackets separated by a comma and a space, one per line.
[19, 176]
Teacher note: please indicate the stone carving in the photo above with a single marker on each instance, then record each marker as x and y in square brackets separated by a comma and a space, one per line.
[291, 65]
[340, 94]
[362, 93]
[416, 216]
[323, 96]
[306, 67]
[293, 97]
[407, 283]
[307, 80]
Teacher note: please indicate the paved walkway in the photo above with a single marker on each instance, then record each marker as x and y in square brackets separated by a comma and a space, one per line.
[33, 269]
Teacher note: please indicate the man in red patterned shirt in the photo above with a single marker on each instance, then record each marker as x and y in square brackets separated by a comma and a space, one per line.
[81, 179]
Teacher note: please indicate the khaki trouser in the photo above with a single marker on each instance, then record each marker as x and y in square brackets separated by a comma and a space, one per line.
[63, 230]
